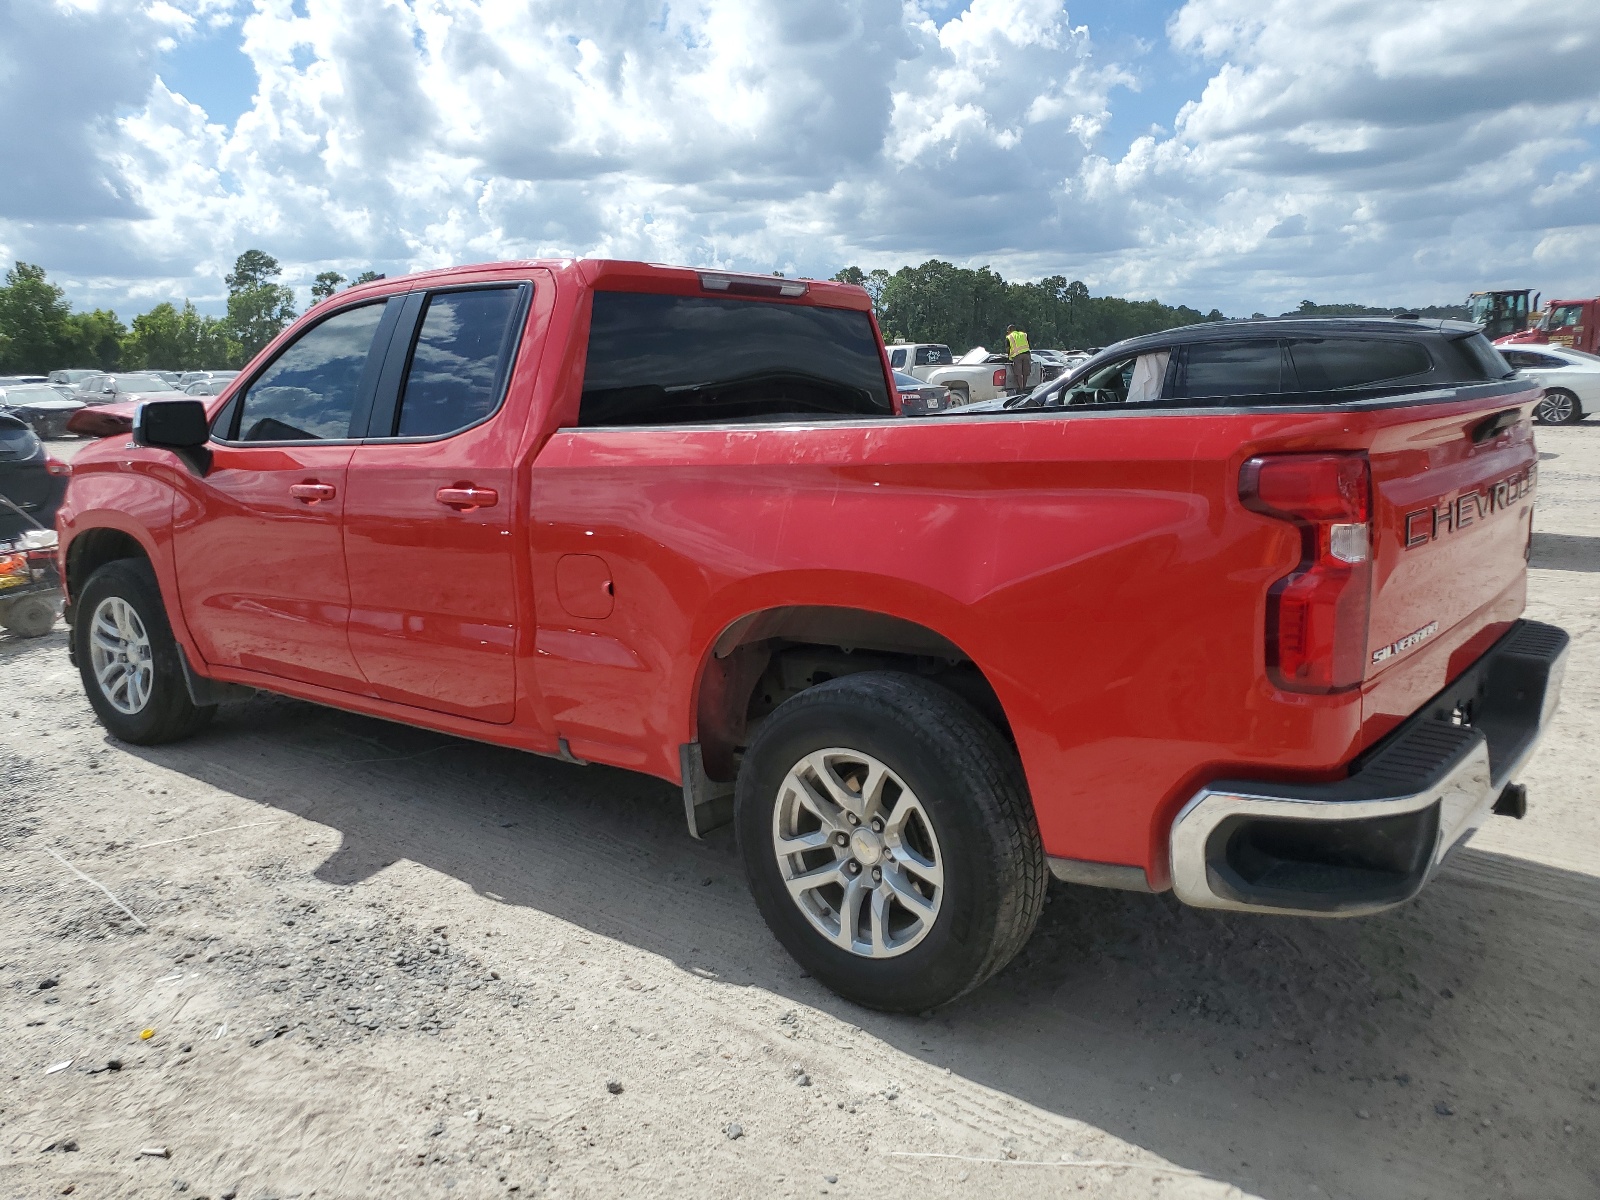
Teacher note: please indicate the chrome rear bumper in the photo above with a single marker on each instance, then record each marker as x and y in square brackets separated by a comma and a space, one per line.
[1374, 839]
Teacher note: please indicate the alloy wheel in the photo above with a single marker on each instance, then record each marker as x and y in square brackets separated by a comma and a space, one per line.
[119, 649]
[858, 853]
[1556, 409]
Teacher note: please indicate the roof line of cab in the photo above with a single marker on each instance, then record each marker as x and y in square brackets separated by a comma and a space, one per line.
[629, 275]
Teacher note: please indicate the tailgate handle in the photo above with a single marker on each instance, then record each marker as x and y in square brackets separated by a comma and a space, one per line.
[1493, 427]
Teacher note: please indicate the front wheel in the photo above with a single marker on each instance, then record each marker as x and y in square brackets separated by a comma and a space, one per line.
[128, 657]
[1559, 407]
[889, 841]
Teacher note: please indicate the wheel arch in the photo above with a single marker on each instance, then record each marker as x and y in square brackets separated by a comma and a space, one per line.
[91, 549]
[793, 647]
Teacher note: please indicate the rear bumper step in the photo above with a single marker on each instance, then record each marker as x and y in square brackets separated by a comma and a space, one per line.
[1373, 840]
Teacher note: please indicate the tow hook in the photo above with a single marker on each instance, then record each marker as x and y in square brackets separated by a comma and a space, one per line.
[1513, 802]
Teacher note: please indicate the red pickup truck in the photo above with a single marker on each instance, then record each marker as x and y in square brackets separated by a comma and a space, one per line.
[1239, 617]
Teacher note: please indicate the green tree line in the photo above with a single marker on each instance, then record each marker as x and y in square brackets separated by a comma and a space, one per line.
[39, 331]
[962, 308]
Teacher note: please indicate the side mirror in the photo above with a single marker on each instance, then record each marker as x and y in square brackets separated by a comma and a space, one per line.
[172, 424]
[177, 425]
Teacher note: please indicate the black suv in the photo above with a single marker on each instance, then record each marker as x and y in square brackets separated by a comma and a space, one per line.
[1284, 361]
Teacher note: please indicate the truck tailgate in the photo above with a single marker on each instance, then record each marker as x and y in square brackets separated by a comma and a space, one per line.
[1453, 495]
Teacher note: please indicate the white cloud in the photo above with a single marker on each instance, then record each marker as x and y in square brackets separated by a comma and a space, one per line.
[1351, 150]
[1366, 149]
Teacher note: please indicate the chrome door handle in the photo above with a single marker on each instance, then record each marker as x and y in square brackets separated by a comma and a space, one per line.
[310, 493]
[466, 497]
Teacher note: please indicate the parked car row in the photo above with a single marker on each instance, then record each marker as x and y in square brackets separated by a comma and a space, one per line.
[75, 401]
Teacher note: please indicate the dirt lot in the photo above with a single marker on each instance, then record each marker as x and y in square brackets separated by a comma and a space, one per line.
[382, 962]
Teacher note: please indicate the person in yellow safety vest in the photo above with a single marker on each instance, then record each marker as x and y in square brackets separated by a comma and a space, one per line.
[1021, 357]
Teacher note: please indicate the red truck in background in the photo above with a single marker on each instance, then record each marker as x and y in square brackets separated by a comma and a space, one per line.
[1255, 638]
[1574, 324]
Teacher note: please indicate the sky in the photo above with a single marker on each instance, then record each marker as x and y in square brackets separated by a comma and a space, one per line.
[1237, 154]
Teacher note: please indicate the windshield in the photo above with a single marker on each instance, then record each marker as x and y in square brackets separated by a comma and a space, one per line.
[906, 383]
[1562, 316]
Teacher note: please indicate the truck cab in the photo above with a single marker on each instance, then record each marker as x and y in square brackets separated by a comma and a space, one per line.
[1503, 312]
[919, 359]
[1574, 324]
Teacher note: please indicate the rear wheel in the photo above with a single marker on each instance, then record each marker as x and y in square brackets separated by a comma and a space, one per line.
[128, 657]
[1559, 407]
[889, 841]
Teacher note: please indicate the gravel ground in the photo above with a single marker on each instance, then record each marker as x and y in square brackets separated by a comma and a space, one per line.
[377, 961]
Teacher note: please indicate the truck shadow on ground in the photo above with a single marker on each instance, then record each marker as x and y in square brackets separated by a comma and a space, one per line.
[1413, 1054]
[1565, 552]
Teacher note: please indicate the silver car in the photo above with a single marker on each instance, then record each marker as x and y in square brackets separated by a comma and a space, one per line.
[1571, 380]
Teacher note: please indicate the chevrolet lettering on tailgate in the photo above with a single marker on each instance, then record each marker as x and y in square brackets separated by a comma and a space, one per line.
[1425, 524]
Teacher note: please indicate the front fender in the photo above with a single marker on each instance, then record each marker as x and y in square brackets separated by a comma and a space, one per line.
[131, 494]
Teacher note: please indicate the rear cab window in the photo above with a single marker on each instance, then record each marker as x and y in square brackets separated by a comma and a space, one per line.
[686, 360]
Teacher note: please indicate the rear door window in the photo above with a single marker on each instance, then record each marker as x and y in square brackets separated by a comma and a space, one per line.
[1230, 368]
[897, 359]
[1528, 358]
[309, 391]
[1332, 364]
[460, 361]
[677, 360]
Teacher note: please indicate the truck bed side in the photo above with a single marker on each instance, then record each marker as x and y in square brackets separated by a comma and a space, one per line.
[1099, 571]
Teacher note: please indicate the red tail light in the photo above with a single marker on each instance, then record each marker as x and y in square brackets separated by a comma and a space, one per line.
[1317, 616]
[1000, 377]
[56, 467]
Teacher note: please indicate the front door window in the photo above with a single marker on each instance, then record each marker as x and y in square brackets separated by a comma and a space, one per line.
[310, 391]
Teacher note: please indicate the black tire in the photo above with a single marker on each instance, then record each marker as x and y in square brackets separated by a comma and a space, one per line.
[970, 784]
[30, 616]
[1559, 407]
[169, 715]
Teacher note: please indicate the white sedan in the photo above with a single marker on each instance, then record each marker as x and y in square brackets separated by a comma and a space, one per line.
[1571, 380]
